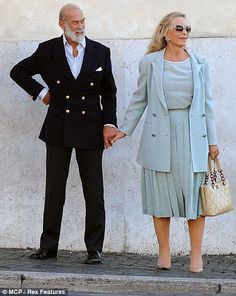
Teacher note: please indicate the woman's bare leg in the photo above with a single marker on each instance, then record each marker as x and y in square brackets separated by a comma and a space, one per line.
[162, 229]
[196, 231]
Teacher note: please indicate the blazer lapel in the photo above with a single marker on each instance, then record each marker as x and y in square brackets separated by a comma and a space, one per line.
[60, 57]
[158, 68]
[88, 59]
[88, 56]
[196, 64]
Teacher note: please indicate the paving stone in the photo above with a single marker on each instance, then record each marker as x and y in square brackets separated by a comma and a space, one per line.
[218, 266]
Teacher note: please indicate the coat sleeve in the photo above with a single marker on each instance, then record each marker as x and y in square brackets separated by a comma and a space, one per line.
[138, 102]
[22, 74]
[209, 108]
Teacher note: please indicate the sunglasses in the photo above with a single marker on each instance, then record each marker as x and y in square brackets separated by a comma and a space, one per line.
[180, 28]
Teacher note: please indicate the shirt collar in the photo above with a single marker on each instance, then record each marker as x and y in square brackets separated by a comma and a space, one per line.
[82, 43]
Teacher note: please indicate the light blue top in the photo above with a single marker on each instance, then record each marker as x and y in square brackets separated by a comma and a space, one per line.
[178, 84]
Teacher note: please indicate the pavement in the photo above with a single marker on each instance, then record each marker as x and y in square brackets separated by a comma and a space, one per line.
[117, 273]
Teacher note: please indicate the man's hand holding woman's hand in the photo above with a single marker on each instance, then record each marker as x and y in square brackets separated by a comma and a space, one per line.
[111, 135]
[119, 135]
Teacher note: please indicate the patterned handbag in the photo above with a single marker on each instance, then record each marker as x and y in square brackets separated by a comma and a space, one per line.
[215, 197]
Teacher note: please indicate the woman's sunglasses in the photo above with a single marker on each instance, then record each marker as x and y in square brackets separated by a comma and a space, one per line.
[180, 28]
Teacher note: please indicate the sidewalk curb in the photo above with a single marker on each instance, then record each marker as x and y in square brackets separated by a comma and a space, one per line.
[113, 283]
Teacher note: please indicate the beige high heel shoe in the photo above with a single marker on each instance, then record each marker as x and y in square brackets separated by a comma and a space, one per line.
[163, 267]
[196, 270]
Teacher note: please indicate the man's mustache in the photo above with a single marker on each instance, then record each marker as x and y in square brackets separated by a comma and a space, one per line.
[79, 31]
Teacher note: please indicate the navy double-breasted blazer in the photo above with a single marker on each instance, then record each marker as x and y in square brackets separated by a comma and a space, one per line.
[80, 107]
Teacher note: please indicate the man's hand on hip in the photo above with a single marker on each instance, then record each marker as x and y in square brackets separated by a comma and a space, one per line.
[47, 98]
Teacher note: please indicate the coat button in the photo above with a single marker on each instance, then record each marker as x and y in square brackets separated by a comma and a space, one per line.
[153, 135]
[203, 115]
[91, 84]
[83, 112]
[154, 114]
[67, 111]
[67, 97]
[83, 98]
[58, 81]
[204, 136]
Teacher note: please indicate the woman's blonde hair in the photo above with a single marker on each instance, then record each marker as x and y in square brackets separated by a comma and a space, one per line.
[158, 41]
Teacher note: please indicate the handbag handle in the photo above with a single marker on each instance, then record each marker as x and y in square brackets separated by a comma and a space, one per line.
[212, 171]
[222, 176]
[216, 162]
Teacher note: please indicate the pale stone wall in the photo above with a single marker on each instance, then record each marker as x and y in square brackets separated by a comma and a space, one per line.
[22, 159]
[112, 19]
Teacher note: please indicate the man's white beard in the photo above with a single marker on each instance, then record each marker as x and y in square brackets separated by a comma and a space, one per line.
[72, 35]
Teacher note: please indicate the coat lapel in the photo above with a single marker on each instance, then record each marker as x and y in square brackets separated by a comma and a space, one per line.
[158, 67]
[60, 57]
[196, 64]
[88, 59]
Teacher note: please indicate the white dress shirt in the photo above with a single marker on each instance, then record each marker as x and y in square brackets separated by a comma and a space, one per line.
[75, 63]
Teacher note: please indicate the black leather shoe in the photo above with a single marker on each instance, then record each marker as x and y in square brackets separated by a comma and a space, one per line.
[93, 258]
[42, 254]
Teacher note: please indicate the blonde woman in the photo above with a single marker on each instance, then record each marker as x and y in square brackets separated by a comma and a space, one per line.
[178, 133]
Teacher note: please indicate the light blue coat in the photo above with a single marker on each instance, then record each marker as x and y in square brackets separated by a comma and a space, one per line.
[154, 151]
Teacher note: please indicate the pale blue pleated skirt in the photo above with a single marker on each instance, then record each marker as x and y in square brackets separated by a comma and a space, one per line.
[174, 194]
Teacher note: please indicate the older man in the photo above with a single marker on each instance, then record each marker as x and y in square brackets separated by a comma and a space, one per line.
[81, 95]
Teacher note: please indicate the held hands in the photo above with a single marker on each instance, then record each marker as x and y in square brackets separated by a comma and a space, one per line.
[119, 135]
[47, 98]
[213, 151]
[111, 135]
